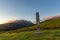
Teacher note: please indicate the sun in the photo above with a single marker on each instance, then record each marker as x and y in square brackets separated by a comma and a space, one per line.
[3, 21]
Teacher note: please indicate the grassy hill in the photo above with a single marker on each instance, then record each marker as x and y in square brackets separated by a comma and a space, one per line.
[48, 24]
[52, 23]
[51, 34]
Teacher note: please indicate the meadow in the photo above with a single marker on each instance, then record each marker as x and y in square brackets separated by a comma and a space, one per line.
[50, 30]
[48, 34]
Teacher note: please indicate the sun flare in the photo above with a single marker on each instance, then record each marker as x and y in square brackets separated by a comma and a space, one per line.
[3, 21]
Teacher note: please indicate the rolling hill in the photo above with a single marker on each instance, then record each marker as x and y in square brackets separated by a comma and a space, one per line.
[52, 23]
[48, 24]
[52, 32]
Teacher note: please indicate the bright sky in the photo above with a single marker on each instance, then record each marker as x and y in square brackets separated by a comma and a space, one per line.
[26, 9]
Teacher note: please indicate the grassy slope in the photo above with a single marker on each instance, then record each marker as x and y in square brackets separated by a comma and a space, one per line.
[53, 23]
[51, 34]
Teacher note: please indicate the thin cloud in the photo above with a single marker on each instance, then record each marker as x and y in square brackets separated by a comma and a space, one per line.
[51, 17]
[48, 17]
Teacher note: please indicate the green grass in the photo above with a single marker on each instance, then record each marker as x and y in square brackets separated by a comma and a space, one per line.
[53, 23]
[50, 34]
[49, 24]
[28, 33]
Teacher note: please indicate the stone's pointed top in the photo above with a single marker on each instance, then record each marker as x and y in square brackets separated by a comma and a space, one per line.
[37, 12]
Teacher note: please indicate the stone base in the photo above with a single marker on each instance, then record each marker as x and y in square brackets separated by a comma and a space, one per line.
[37, 32]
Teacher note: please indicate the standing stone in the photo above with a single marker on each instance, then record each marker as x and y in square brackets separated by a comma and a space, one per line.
[37, 21]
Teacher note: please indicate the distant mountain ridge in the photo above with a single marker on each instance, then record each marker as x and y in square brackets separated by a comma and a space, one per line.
[15, 25]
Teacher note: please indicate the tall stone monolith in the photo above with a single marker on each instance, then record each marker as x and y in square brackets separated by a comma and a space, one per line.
[37, 21]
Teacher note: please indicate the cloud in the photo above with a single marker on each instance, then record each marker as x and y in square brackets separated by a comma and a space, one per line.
[48, 17]
[58, 15]
[51, 17]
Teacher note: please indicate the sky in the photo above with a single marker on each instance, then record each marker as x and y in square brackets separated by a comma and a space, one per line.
[26, 9]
